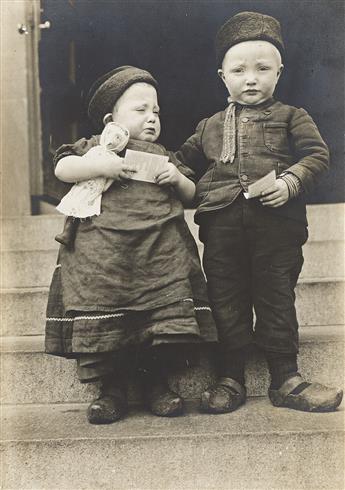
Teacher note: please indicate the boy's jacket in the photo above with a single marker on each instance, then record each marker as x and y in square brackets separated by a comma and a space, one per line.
[270, 136]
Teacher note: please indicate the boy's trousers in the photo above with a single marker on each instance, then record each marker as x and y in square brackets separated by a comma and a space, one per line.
[253, 258]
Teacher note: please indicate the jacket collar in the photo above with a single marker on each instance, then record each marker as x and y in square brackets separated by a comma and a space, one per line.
[264, 105]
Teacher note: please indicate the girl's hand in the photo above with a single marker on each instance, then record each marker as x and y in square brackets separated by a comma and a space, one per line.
[275, 196]
[111, 164]
[169, 175]
[184, 188]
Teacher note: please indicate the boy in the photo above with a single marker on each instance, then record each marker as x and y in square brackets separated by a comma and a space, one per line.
[253, 248]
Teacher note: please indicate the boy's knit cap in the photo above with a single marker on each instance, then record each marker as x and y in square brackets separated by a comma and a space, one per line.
[108, 89]
[247, 26]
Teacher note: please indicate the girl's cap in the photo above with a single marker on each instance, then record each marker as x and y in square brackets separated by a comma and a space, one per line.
[248, 26]
[108, 89]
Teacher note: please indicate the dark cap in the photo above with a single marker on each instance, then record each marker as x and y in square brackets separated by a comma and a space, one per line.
[248, 26]
[108, 89]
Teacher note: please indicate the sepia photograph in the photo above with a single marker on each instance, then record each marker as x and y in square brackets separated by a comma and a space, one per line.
[172, 245]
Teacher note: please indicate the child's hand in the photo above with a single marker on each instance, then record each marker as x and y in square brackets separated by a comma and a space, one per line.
[110, 164]
[275, 196]
[168, 175]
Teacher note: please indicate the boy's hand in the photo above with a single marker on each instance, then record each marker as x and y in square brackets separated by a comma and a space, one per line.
[276, 195]
[168, 175]
[112, 165]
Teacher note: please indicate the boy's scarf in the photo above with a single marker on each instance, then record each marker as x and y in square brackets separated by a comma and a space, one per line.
[229, 134]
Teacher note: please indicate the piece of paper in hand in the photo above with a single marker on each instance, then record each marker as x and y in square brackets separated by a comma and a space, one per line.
[255, 189]
[147, 165]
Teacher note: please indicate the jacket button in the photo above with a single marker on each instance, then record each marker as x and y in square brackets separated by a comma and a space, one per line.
[244, 177]
[244, 119]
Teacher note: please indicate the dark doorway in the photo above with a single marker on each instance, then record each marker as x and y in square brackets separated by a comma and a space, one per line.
[174, 40]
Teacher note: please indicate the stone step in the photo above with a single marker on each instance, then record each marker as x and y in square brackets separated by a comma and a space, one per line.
[257, 447]
[30, 262]
[326, 222]
[29, 376]
[323, 259]
[320, 301]
[324, 254]
[23, 309]
[27, 268]
[31, 232]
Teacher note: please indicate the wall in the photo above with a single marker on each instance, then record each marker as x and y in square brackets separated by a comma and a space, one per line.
[15, 198]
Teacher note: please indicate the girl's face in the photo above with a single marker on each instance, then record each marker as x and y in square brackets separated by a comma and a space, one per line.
[250, 71]
[137, 109]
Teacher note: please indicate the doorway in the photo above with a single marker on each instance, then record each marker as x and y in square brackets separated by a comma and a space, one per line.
[174, 40]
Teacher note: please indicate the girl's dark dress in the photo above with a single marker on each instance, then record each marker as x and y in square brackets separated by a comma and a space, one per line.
[133, 276]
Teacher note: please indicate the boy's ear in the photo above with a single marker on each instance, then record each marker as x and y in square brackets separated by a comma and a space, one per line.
[280, 69]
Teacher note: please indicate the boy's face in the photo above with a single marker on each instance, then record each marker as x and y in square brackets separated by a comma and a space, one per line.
[250, 71]
[137, 109]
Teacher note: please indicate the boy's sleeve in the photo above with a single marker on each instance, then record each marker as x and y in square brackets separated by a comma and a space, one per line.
[79, 148]
[310, 149]
[191, 154]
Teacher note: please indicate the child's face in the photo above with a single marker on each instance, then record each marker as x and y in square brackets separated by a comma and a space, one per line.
[137, 109]
[250, 71]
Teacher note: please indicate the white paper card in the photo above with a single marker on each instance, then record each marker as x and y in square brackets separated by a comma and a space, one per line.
[255, 190]
[147, 165]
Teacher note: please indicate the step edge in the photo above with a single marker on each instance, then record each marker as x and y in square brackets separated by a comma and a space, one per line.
[220, 433]
[25, 290]
[302, 280]
[39, 331]
[310, 208]
[208, 435]
[52, 245]
[43, 289]
[312, 280]
[8, 251]
[35, 343]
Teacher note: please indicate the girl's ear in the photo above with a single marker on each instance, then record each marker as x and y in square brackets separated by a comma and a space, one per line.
[220, 74]
[107, 118]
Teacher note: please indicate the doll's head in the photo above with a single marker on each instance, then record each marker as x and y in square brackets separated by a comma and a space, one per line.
[128, 96]
[249, 47]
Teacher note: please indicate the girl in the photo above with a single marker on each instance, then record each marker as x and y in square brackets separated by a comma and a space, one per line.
[131, 287]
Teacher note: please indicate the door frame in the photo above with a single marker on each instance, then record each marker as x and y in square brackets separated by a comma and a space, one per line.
[33, 21]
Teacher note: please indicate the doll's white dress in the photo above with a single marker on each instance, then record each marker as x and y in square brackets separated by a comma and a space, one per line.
[84, 199]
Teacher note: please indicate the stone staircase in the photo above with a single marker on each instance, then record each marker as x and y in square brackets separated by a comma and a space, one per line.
[47, 443]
